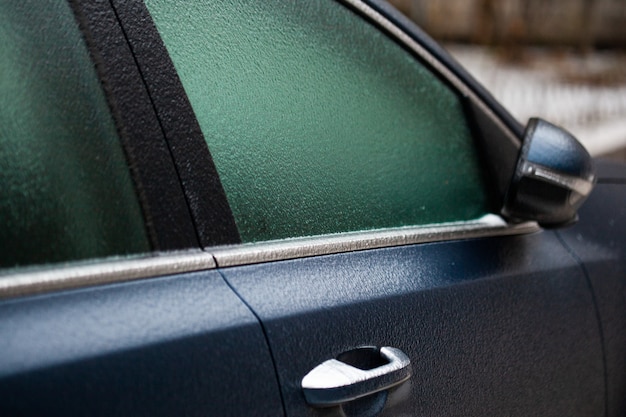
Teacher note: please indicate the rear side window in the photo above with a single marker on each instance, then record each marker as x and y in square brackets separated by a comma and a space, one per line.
[65, 188]
[318, 122]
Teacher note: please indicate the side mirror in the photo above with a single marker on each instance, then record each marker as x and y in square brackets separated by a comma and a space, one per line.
[553, 177]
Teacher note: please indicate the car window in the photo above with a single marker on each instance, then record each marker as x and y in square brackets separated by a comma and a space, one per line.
[65, 188]
[317, 121]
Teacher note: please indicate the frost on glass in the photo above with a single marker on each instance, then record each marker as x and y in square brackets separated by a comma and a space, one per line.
[319, 123]
[65, 188]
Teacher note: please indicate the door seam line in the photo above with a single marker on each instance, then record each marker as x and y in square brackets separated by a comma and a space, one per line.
[267, 340]
[596, 309]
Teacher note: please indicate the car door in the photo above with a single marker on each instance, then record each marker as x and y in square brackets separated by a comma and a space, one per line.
[351, 239]
[108, 306]
[364, 173]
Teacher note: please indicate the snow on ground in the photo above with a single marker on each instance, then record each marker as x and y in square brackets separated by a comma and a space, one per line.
[585, 95]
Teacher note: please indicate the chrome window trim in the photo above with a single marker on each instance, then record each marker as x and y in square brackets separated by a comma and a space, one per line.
[44, 279]
[398, 34]
[253, 253]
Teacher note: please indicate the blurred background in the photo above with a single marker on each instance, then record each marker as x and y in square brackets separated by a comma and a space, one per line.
[563, 60]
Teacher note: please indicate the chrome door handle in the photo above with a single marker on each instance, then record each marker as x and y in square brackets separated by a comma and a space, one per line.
[334, 382]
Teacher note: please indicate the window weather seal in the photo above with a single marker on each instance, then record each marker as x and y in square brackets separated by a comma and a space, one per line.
[166, 214]
[44, 279]
[203, 191]
[253, 253]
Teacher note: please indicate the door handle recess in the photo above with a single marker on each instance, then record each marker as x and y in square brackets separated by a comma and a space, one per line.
[334, 382]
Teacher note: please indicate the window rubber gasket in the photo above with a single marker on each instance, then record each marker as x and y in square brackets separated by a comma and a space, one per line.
[167, 217]
[182, 197]
[210, 211]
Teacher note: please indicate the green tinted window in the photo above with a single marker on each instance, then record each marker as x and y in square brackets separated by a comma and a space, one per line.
[318, 122]
[65, 188]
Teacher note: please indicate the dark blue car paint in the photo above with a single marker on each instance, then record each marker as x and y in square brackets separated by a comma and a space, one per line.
[598, 241]
[494, 326]
[173, 346]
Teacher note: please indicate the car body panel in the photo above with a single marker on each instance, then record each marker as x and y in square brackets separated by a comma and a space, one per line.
[598, 240]
[493, 326]
[175, 345]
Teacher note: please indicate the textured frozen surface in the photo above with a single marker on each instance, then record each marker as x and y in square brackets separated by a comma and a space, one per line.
[319, 123]
[65, 189]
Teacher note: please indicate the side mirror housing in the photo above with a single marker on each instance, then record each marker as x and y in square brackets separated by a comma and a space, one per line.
[553, 176]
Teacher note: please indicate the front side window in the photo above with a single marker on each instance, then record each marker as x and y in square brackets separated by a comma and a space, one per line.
[317, 121]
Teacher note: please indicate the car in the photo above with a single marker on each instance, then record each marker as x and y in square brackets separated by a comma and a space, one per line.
[281, 208]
